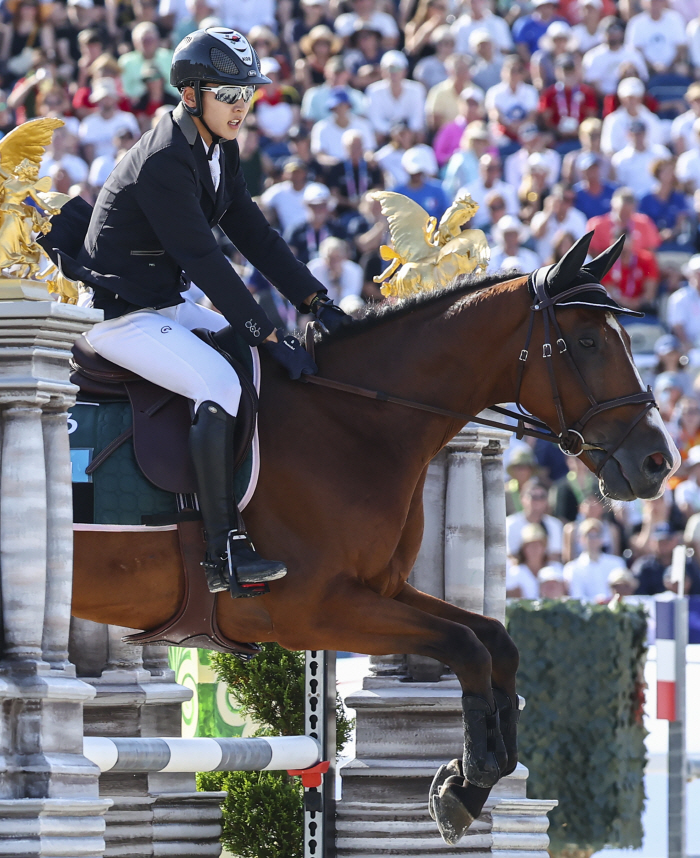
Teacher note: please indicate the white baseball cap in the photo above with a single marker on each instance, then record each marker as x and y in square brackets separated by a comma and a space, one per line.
[472, 93]
[394, 58]
[418, 160]
[315, 193]
[630, 86]
[103, 87]
[269, 65]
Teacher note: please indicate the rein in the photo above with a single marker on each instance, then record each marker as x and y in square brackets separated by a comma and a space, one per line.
[570, 440]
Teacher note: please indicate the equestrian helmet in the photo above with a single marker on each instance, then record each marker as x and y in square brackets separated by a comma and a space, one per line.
[216, 55]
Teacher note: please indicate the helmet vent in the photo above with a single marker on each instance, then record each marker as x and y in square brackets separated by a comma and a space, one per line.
[222, 62]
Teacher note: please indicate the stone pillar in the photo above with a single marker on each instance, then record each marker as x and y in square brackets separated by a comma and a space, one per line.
[160, 813]
[409, 723]
[49, 800]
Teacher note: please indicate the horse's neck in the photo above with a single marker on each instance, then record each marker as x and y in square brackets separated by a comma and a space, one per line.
[458, 354]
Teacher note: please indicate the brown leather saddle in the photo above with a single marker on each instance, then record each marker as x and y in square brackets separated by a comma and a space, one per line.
[161, 419]
[159, 433]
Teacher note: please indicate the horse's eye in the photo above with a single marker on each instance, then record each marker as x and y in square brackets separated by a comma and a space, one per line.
[587, 343]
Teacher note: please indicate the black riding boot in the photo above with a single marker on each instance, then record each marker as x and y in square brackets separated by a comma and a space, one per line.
[229, 549]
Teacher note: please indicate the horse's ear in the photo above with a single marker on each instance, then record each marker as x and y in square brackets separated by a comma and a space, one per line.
[600, 266]
[569, 266]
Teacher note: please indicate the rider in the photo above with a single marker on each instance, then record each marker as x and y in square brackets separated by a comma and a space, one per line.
[150, 236]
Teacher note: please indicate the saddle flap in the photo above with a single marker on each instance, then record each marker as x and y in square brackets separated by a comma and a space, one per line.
[195, 624]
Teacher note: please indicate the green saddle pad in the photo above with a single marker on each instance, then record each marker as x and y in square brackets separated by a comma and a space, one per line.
[118, 492]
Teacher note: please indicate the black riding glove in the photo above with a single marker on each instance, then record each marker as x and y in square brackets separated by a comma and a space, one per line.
[293, 356]
[331, 317]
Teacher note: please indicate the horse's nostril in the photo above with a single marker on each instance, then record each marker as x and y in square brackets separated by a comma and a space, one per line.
[656, 463]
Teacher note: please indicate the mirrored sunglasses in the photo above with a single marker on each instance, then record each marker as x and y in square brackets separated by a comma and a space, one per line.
[231, 94]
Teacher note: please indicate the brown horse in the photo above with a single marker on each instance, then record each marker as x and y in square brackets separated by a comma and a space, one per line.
[340, 491]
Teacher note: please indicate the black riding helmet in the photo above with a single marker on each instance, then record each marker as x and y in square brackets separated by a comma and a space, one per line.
[216, 55]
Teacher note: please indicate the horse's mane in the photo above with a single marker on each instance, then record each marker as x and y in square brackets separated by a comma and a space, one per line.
[465, 284]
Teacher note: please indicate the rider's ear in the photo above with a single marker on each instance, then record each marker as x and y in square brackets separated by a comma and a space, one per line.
[569, 266]
[599, 267]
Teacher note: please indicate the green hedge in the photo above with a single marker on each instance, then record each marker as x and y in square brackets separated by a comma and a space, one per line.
[582, 736]
[263, 816]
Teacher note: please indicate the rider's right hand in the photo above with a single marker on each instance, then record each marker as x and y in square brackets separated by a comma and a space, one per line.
[292, 355]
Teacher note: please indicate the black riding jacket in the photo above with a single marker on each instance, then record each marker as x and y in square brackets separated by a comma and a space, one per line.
[153, 219]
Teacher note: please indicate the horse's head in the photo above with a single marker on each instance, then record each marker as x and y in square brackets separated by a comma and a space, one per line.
[587, 387]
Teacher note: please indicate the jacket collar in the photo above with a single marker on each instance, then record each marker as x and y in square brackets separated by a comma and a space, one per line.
[186, 124]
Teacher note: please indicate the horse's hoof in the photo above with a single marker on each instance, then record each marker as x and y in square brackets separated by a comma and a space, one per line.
[483, 743]
[451, 769]
[451, 813]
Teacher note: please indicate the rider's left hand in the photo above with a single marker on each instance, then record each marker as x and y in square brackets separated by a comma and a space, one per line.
[289, 352]
[331, 317]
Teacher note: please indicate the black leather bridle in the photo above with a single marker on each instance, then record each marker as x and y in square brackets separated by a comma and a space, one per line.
[570, 438]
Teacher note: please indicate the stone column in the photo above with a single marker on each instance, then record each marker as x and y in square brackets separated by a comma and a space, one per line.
[160, 813]
[406, 726]
[49, 800]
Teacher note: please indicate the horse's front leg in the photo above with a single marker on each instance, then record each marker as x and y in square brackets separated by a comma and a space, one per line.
[353, 617]
[453, 801]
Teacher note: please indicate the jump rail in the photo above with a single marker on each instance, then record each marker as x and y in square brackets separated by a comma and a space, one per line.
[276, 753]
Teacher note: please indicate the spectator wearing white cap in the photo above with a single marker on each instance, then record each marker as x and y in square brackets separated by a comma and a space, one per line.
[688, 165]
[532, 140]
[633, 164]
[276, 108]
[555, 43]
[683, 308]
[509, 236]
[488, 63]
[306, 238]
[478, 16]
[366, 12]
[601, 65]
[586, 35]
[463, 167]
[686, 495]
[587, 575]
[616, 125]
[510, 104]
[682, 134]
[529, 29]
[98, 129]
[327, 134]
[489, 181]
[442, 104]
[394, 98]
[419, 162]
[471, 109]
[341, 277]
[659, 34]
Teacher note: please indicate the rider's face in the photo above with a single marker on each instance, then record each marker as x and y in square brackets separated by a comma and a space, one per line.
[224, 120]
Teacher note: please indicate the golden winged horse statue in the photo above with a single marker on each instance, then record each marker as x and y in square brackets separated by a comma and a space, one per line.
[25, 269]
[426, 255]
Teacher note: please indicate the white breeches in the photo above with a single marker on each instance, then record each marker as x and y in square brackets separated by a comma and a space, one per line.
[159, 346]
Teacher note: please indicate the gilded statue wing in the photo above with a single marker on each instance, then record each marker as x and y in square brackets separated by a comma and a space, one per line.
[29, 141]
[410, 225]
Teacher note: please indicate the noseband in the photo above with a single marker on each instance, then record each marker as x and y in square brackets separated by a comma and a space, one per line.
[570, 439]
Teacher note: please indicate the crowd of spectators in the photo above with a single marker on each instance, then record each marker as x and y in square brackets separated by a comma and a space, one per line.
[556, 116]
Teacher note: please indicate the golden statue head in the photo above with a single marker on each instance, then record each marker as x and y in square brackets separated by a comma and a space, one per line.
[27, 171]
